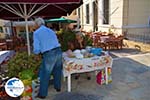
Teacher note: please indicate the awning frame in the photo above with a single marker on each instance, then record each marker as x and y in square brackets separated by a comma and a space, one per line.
[22, 12]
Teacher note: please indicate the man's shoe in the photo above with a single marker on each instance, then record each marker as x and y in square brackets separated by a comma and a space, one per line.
[58, 90]
[41, 97]
[88, 78]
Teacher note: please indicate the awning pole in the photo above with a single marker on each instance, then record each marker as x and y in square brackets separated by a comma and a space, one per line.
[27, 29]
[27, 36]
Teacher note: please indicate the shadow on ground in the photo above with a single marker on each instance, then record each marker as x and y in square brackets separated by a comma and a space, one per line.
[76, 96]
[131, 81]
[124, 52]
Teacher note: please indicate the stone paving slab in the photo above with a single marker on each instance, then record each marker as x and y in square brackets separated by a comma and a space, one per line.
[131, 81]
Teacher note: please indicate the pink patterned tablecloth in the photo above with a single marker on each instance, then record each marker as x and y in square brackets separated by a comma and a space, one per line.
[76, 65]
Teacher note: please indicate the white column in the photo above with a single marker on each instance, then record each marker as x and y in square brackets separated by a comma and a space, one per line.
[100, 12]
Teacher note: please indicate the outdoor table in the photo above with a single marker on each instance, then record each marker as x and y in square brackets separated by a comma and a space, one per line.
[5, 55]
[104, 38]
[82, 65]
[9, 43]
[3, 45]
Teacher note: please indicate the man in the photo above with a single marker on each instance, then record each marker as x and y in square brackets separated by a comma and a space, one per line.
[45, 42]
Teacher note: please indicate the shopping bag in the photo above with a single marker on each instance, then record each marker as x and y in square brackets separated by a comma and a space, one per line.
[100, 77]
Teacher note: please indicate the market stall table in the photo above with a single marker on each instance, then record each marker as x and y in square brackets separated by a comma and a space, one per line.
[82, 65]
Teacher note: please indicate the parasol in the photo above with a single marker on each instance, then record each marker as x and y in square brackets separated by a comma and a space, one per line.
[25, 9]
[61, 20]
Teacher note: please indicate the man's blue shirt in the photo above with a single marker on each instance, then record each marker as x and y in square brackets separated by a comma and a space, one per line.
[44, 39]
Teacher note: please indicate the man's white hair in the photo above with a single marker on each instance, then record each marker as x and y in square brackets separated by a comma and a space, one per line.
[40, 21]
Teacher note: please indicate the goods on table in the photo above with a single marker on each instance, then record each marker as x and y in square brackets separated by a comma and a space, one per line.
[79, 54]
[27, 94]
[70, 54]
[96, 51]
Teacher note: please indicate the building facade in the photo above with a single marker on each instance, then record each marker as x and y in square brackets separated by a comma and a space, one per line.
[13, 28]
[128, 17]
[3, 29]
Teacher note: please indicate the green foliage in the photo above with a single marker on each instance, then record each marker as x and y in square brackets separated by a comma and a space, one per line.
[88, 41]
[23, 63]
[26, 74]
[64, 37]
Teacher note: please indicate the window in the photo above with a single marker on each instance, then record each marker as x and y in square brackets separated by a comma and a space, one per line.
[105, 11]
[87, 14]
[79, 12]
[1, 29]
[6, 31]
[95, 15]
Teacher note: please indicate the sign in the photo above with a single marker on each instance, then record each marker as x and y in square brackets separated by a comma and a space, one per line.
[14, 87]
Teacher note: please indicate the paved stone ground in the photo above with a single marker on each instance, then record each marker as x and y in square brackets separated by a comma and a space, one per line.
[145, 47]
[131, 81]
[124, 52]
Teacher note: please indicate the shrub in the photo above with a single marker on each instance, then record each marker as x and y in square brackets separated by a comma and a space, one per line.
[23, 63]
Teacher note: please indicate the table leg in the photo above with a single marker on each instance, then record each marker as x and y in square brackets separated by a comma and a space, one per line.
[106, 74]
[69, 83]
[96, 72]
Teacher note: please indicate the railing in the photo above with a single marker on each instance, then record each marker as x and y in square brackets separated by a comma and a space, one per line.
[140, 37]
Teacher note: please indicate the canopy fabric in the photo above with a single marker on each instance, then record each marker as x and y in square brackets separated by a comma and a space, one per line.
[61, 20]
[42, 1]
[14, 9]
[53, 10]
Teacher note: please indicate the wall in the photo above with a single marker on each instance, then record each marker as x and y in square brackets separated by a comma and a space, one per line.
[136, 19]
[131, 16]
[116, 15]
[139, 12]
[86, 27]
[6, 30]
[21, 29]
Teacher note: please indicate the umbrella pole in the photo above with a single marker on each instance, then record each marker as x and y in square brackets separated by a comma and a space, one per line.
[27, 35]
[27, 29]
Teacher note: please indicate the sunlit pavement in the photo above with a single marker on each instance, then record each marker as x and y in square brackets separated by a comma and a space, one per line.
[131, 81]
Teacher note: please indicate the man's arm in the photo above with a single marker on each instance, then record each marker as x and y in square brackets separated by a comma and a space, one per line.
[36, 44]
